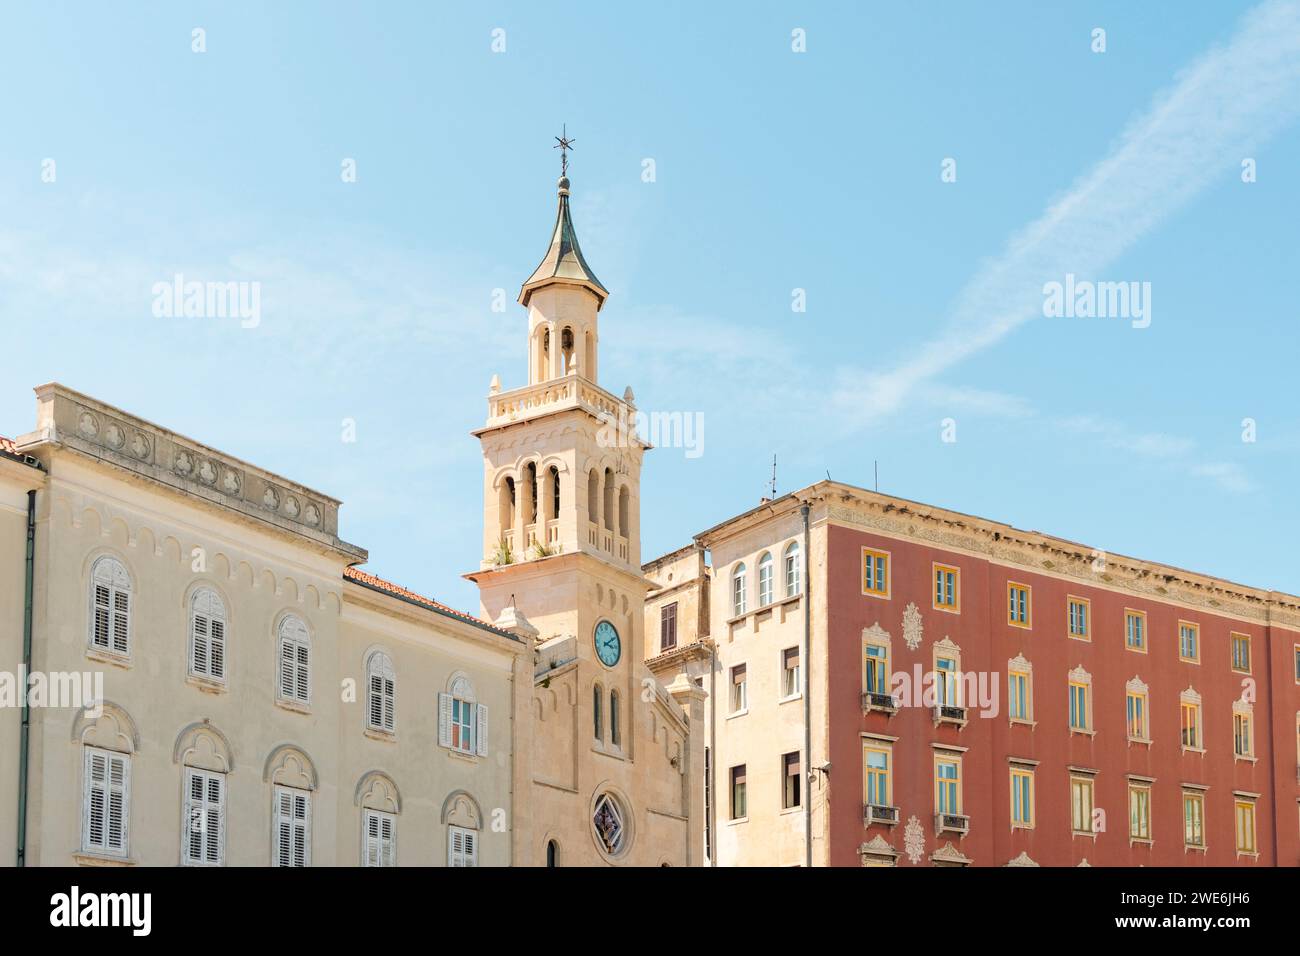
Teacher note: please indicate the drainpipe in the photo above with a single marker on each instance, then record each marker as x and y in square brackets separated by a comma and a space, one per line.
[807, 688]
[711, 818]
[25, 731]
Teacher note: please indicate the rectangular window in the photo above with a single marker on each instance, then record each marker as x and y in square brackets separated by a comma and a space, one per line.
[876, 679]
[790, 680]
[1189, 642]
[462, 847]
[1243, 741]
[1137, 715]
[875, 572]
[946, 581]
[1135, 630]
[1139, 811]
[1022, 798]
[1078, 612]
[203, 818]
[1018, 695]
[1241, 653]
[1018, 605]
[1191, 725]
[106, 800]
[947, 785]
[292, 812]
[379, 838]
[947, 682]
[875, 763]
[668, 627]
[739, 805]
[462, 725]
[1081, 790]
[1078, 706]
[1193, 818]
[739, 689]
[1245, 826]
[791, 776]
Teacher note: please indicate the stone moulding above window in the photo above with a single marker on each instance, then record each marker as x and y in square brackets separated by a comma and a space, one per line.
[878, 852]
[1022, 860]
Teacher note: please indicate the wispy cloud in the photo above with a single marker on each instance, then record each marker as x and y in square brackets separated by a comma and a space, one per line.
[1227, 475]
[1225, 103]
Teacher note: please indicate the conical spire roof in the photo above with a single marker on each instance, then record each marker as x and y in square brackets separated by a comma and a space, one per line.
[563, 262]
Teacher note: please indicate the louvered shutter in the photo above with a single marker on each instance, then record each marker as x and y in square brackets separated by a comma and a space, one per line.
[455, 847]
[217, 649]
[215, 845]
[444, 720]
[376, 701]
[103, 614]
[95, 797]
[303, 688]
[372, 839]
[192, 819]
[283, 828]
[390, 703]
[481, 731]
[199, 645]
[121, 621]
[107, 801]
[471, 848]
[387, 841]
[286, 669]
[302, 829]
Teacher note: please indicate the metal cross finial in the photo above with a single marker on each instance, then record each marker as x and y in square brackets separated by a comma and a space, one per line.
[564, 144]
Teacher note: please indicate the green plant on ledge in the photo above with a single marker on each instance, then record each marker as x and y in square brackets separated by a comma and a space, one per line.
[503, 554]
[542, 551]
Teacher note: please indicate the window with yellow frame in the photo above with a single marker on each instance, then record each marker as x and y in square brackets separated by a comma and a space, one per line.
[1245, 810]
[1018, 608]
[947, 588]
[875, 775]
[1243, 736]
[1022, 798]
[1191, 725]
[875, 572]
[1139, 811]
[1135, 630]
[1241, 653]
[1078, 615]
[1081, 804]
[1194, 819]
[1189, 642]
[947, 785]
[1136, 707]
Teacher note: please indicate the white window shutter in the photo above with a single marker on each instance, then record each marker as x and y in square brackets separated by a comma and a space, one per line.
[286, 669]
[93, 799]
[199, 645]
[481, 731]
[471, 849]
[217, 650]
[444, 720]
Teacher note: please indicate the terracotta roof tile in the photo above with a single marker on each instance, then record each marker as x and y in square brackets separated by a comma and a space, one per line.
[379, 584]
[7, 445]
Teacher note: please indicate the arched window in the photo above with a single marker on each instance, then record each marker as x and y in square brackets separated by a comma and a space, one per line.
[615, 731]
[462, 721]
[506, 505]
[555, 493]
[624, 524]
[793, 570]
[566, 347]
[597, 712]
[381, 703]
[738, 590]
[609, 499]
[593, 497]
[208, 635]
[765, 570]
[110, 607]
[295, 660]
[530, 483]
[552, 853]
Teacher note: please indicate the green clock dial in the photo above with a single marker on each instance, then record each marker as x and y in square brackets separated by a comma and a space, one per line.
[608, 646]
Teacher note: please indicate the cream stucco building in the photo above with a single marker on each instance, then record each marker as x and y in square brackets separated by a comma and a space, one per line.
[224, 686]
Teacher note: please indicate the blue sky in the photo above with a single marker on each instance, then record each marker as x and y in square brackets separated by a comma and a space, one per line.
[775, 170]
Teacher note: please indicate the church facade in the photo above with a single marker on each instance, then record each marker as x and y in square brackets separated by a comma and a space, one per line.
[197, 671]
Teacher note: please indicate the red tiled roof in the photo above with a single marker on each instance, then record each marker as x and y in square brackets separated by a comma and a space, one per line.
[379, 584]
[7, 445]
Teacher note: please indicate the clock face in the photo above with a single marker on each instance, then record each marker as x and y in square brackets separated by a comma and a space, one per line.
[608, 647]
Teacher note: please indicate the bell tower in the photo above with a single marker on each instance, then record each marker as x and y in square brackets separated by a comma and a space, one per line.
[561, 457]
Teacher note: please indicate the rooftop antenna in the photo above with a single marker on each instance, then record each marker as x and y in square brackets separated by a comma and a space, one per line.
[774, 476]
[876, 464]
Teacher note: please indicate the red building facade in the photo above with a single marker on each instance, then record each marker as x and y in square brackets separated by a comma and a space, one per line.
[1198, 769]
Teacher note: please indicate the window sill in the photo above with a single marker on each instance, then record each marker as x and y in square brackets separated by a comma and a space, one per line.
[1192, 848]
[293, 706]
[877, 595]
[1022, 826]
[946, 610]
[613, 751]
[1013, 721]
[1244, 758]
[786, 700]
[1135, 650]
[1090, 834]
[737, 821]
[1248, 854]
[1139, 841]
[1083, 733]
[1193, 750]
[108, 657]
[91, 858]
[206, 684]
[1188, 660]
[1144, 741]
[1080, 637]
[461, 755]
[786, 811]
[387, 736]
[738, 713]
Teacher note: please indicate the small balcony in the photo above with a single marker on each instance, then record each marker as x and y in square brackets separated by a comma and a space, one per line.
[949, 714]
[957, 823]
[883, 703]
[873, 813]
